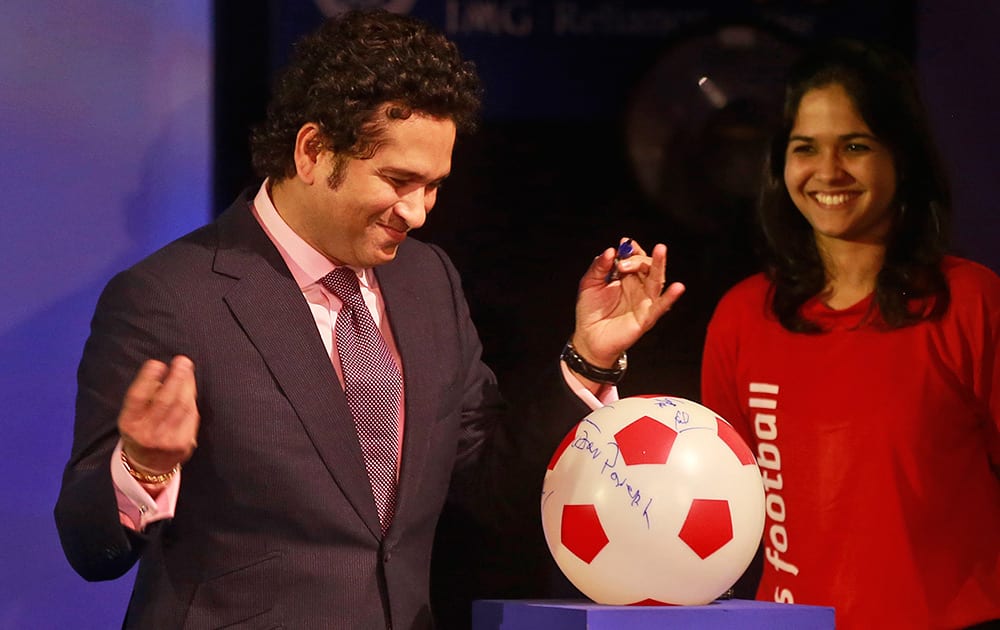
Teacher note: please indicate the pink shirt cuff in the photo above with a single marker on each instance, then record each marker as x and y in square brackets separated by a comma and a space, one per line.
[606, 395]
[136, 507]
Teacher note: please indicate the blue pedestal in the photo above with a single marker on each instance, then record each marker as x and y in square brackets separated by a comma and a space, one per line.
[496, 614]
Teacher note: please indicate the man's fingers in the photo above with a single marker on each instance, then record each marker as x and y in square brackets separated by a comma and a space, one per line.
[144, 386]
[175, 406]
[671, 294]
[159, 420]
[658, 268]
[598, 269]
[189, 394]
[649, 273]
[162, 396]
[180, 376]
[637, 249]
[640, 263]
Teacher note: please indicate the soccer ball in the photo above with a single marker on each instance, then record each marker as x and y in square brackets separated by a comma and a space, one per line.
[653, 500]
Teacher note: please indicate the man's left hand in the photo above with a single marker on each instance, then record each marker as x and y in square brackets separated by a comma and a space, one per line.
[612, 316]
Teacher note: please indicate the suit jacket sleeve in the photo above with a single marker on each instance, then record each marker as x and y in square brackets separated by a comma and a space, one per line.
[502, 451]
[130, 309]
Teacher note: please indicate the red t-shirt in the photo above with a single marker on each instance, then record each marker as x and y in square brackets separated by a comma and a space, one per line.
[880, 452]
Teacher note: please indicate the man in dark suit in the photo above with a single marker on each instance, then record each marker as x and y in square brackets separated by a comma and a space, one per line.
[223, 353]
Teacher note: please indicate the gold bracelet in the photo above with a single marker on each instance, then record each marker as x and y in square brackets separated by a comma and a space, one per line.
[156, 479]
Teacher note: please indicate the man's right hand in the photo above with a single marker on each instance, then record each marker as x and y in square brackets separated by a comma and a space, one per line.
[158, 422]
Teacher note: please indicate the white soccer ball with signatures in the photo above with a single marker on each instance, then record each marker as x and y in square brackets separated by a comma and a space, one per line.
[653, 500]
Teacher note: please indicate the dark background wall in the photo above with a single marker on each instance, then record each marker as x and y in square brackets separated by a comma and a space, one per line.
[108, 151]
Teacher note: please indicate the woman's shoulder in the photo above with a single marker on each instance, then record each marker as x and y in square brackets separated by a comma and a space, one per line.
[962, 272]
[974, 288]
[967, 278]
[753, 288]
[749, 295]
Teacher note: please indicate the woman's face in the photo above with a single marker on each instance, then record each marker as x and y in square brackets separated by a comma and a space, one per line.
[839, 175]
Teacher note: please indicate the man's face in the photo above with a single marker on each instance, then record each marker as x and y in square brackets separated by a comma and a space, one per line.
[362, 221]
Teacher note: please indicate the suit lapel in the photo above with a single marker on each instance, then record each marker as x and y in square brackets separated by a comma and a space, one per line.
[269, 306]
[412, 327]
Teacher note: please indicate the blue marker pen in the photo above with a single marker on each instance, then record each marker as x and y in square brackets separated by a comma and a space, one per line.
[624, 251]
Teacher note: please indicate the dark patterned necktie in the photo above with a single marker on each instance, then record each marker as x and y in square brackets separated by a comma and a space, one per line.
[373, 386]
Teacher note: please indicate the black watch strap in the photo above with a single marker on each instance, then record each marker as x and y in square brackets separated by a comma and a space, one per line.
[580, 365]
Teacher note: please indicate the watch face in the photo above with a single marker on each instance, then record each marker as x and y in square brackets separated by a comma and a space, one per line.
[699, 122]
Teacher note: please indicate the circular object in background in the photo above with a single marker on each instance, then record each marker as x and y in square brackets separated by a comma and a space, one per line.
[699, 121]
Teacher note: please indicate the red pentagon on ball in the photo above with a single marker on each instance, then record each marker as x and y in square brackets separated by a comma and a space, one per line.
[735, 443]
[566, 441]
[582, 532]
[708, 526]
[645, 441]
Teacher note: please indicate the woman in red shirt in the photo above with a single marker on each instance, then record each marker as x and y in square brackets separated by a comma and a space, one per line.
[864, 364]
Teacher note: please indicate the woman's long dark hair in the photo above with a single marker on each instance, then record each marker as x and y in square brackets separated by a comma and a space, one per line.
[911, 285]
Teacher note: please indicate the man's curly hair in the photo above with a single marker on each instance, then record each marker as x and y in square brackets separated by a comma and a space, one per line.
[352, 75]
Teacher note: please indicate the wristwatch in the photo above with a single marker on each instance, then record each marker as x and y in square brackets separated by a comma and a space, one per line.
[602, 375]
